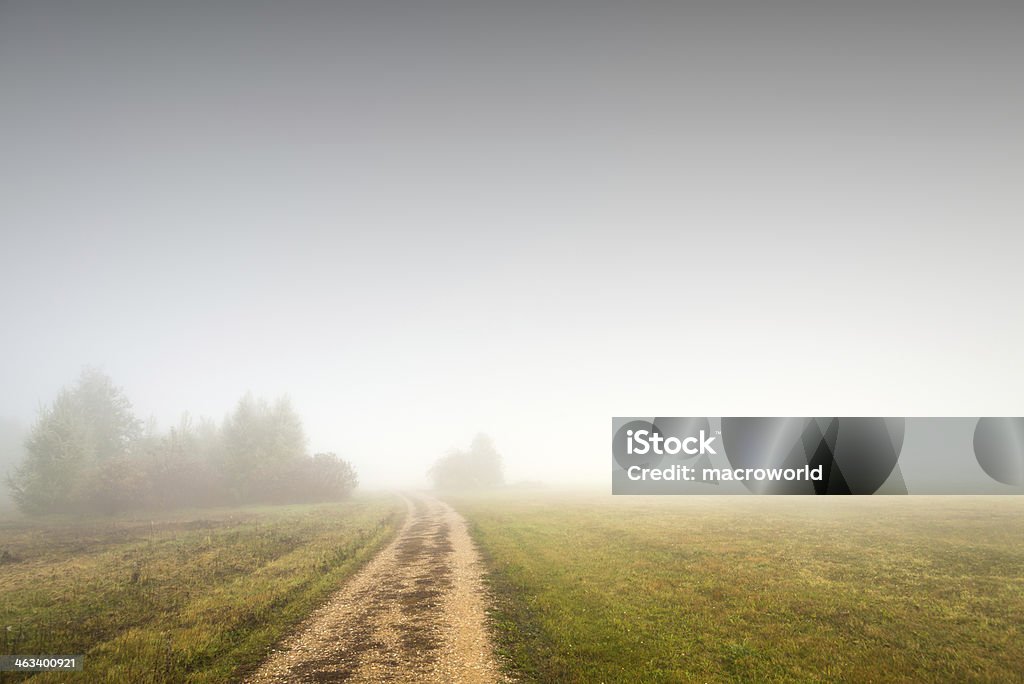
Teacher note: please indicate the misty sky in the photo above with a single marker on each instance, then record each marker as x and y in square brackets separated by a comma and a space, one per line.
[422, 220]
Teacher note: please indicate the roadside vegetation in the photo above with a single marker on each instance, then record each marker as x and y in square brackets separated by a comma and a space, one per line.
[193, 596]
[675, 589]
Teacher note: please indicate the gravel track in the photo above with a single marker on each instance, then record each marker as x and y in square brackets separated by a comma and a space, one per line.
[415, 613]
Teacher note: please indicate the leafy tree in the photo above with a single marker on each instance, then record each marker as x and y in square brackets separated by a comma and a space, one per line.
[77, 451]
[262, 446]
[478, 468]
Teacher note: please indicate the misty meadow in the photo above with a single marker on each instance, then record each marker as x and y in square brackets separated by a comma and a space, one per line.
[410, 227]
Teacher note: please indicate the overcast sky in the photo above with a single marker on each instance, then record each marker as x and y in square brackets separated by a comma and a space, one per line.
[422, 220]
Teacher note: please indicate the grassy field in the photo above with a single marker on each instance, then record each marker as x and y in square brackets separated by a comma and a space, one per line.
[667, 589]
[195, 596]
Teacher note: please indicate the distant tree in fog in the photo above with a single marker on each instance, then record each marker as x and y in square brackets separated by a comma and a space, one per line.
[263, 443]
[77, 452]
[478, 468]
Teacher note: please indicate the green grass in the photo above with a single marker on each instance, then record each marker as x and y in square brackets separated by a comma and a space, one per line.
[197, 596]
[707, 589]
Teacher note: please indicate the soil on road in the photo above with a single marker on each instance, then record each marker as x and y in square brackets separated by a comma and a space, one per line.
[415, 613]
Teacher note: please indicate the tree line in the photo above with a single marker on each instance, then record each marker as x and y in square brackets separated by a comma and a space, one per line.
[89, 453]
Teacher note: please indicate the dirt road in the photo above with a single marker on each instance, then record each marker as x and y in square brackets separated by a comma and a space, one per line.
[415, 613]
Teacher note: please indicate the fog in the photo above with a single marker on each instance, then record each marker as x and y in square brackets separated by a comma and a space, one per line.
[423, 221]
